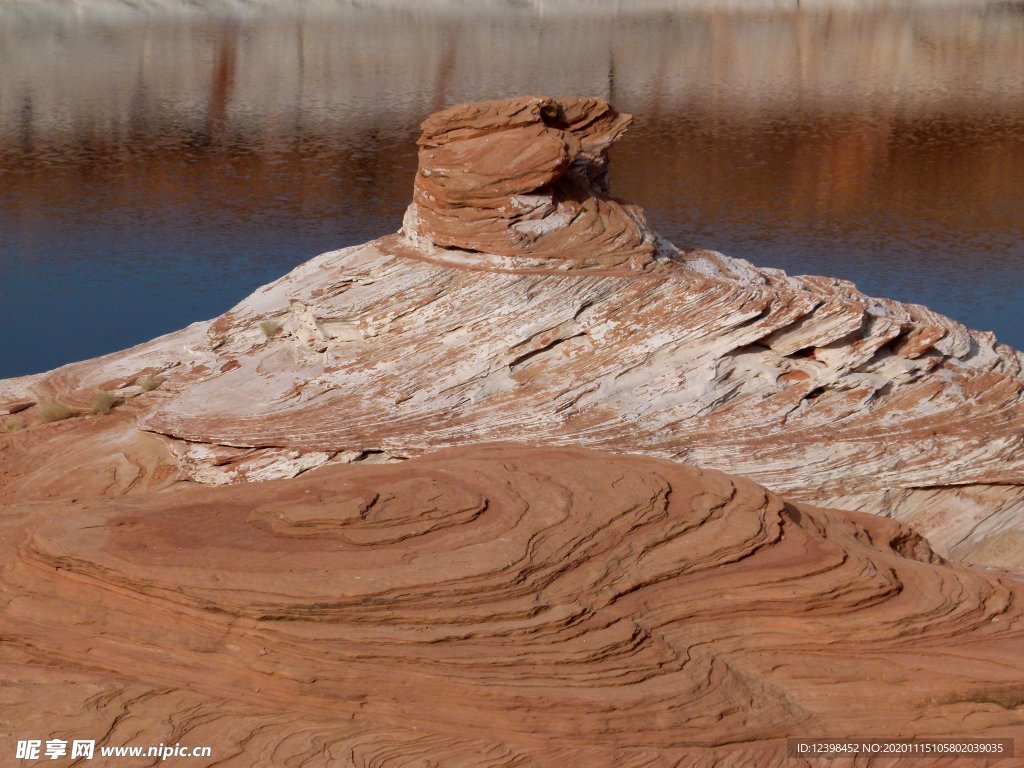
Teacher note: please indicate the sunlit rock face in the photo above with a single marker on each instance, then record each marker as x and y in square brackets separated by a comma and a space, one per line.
[583, 329]
[526, 178]
[260, 548]
[495, 605]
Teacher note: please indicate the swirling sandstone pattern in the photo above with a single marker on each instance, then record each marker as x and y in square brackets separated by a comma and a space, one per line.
[526, 178]
[498, 606]
[582, 329]
[504, 605]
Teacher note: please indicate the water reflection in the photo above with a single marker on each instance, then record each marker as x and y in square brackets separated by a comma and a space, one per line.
[154, 169]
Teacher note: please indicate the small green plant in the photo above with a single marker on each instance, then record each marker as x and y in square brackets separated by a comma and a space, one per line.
[104, 402]
[12, 425]
[270, 328]
[55, 412]
[149, 382]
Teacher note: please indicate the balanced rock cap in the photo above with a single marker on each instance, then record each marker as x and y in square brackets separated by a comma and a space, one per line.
[526, 178]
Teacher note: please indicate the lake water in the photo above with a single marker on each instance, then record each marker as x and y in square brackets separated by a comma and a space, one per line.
[156, 167]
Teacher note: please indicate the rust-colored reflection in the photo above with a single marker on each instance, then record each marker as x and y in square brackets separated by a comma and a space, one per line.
[155, 170]
[846, 171]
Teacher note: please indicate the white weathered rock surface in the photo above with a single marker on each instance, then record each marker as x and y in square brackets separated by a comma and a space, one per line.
[398, 346]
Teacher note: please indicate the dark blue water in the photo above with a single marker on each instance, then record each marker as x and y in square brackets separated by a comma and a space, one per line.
[98, 274]
[153, 172]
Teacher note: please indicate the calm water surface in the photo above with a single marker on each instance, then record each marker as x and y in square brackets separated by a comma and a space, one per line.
[156, 169]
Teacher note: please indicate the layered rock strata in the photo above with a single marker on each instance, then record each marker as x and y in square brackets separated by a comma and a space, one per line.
[526, 179]
[582, 327]
[498, 606]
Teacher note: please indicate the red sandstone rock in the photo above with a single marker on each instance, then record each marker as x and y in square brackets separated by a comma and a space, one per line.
[401, 346]
[506, 605]
[17, 406]
[496, 605]
[526, 178]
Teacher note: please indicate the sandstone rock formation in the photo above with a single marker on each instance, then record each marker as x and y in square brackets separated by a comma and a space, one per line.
[526, 178]
[509, 604]
[499, 606]
[520, 302]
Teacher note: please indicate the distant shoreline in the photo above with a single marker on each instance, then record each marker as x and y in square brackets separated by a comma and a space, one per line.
[478, 7]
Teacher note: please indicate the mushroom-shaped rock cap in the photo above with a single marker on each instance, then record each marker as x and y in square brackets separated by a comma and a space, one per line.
[528, 178]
